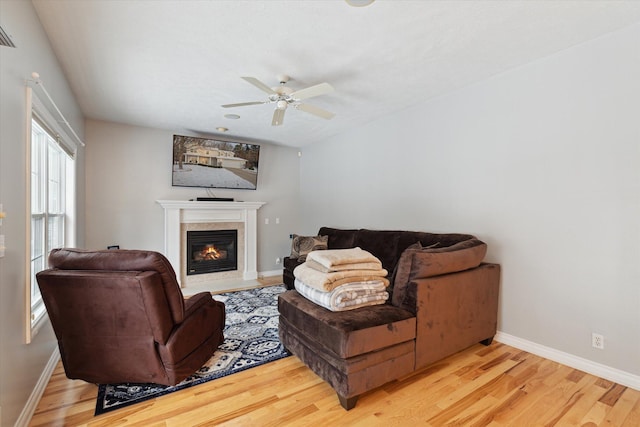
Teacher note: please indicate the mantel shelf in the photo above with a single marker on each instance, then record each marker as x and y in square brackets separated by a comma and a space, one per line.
[193, 204]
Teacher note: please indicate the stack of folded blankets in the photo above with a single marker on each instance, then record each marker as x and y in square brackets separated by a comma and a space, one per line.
[342, 279]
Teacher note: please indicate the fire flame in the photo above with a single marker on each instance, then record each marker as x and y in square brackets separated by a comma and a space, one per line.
[211, 252]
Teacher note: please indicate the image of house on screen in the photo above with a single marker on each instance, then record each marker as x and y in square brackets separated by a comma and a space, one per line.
[213, 157]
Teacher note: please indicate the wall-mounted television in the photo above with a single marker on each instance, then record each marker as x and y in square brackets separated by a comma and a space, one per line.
[214, 163]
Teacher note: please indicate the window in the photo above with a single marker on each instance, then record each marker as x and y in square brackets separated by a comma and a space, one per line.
[51, 203]
[48, 173]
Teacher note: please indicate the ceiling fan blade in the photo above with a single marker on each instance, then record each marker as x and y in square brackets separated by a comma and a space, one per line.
[243, 104]
[278, 117]
[312, 91]
[257, 83]
[316, 111]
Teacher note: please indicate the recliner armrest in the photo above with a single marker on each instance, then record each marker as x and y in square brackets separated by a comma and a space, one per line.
[194, 302]
[205, 319]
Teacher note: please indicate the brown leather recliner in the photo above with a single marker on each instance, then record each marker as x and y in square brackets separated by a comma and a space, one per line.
[120, 316]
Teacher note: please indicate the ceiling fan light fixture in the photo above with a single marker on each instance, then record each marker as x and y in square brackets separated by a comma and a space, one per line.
[359, 3]
[222, 129]
[231, 116]
[282, 105]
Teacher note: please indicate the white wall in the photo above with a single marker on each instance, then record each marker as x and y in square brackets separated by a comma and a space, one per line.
[129, 168]
[543, 163]
[20, 364]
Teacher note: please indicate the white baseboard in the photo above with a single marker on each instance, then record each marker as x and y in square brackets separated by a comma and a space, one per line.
[270, 273]
[30, 407]
[612, 374]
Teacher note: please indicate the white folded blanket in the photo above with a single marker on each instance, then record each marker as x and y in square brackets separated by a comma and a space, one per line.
[332, 258]
[329, 281]
[346, 297]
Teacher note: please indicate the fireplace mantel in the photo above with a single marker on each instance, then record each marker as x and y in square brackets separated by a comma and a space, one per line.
[178, 212]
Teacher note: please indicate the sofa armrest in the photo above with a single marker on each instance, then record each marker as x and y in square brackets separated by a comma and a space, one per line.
[289, 264]
[454, 311]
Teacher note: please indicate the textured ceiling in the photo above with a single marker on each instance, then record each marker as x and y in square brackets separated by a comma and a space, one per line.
[171, 64]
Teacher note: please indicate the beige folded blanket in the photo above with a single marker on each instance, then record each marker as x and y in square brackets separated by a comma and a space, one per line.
[329, 281]
[356, 266]
[331, 258]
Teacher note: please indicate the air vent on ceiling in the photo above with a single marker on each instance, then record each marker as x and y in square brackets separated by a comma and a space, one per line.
[5, 40]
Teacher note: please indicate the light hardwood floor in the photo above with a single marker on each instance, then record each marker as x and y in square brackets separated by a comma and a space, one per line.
[481, 386]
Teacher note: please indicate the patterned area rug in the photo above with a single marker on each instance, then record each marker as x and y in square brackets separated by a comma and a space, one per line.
[250, 339]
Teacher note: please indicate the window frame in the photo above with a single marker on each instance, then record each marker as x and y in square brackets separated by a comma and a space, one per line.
[54, 145]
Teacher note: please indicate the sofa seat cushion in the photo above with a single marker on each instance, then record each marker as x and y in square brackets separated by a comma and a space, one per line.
[353, 376]
[350, 333]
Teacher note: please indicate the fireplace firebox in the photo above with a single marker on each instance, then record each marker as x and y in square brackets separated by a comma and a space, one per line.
[212, 251]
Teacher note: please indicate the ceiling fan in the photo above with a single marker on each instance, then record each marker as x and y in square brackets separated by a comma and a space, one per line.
[284, 96]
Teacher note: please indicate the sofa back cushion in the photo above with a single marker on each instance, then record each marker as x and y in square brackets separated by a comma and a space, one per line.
[442, 240]
[418, 262]
[388, 245]
[339, 239]
[382, 244]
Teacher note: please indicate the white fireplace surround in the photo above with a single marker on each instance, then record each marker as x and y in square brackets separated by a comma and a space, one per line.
[177, 212]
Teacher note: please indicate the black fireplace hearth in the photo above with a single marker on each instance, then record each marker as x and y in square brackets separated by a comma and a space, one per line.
[212, 251]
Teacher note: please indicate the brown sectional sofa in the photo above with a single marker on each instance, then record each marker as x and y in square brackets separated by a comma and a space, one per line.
[443, 300]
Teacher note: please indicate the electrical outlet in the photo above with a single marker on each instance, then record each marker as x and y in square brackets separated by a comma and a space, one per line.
[278, 260]
[597, 341]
